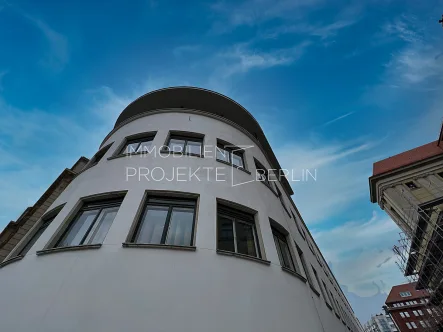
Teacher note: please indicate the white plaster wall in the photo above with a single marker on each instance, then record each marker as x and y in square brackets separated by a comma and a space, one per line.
[140, 289]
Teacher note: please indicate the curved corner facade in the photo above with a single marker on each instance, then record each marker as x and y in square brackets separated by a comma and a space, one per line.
[176, 224]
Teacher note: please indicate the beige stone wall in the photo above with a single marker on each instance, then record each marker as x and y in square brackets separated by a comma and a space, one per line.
[14, 232]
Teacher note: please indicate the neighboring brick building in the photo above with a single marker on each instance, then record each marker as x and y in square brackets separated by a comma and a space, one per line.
[410, 309]
[15, 230]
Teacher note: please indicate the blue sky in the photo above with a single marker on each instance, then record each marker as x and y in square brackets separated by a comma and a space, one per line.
[336, 85]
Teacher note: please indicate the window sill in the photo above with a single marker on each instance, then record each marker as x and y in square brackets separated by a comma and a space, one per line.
[294, 273]
[73, 248]
[128, 155]
[11, 260]
[158, 246]
[234, 166]
[252, 258]
[181, 153]
[314, 290]
[270, 188]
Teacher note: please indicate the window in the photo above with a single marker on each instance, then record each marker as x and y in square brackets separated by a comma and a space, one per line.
[422, 323]
[236, 232]
[186, 144]
[99, 155]
[327, 292]
[413, 325]
[283, 251]
[280, 197]
[310, 247]
[137, 145]
[298, 226]
[402, 315]
[91, 224]
[43, 225]
[420, 312]
[411, 185]
[415, 313]
[409, 326]
[405, 294]
[167, 221]
[429, 311]
[230, 154]
[407, 314]
[303, 263]
[440, 174]
[262, 173]
[318, 282]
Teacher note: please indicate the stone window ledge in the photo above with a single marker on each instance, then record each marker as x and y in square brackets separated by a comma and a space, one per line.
[255, 259]
[294, 273]
[314, 290]
[73, 248]
[158, 246]
[11, 260]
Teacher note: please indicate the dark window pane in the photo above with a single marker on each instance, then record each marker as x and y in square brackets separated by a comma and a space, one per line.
[144, 146]
[131, 148]
[277, 246]
[286, 254]
[194, 147]
[35, 237]
[101, 226]
[176, 145]
[152, 225]
[225, 234]
[78, 229]
[222, 154]
[245, 239]
[180, 227]
[237, 160]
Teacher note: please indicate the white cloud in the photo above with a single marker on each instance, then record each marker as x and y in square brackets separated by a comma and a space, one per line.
[364, 260]
[241, 58]
[337, 119]
[320, 30]
[2, 75]
[254, 12]
[185, 49]
[58, 54]
[342, 172]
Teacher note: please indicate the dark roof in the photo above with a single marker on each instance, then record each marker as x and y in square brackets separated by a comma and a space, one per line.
[394, 294]
[206, 101]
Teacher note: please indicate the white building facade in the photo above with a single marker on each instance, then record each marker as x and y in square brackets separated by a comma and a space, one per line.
[182, 221]
[380, 323]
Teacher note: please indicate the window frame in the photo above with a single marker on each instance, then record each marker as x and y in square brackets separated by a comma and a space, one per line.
[186, 137]
[259, 166]
[17, 252]
[298, 226]
[100, 203]
[231, 149]
[138, 141]
[284, 238]
[98, 156]
[317, 278]
[248, 218]
[170, 201]
[44, 224]
[304, 265]
[405, 294]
